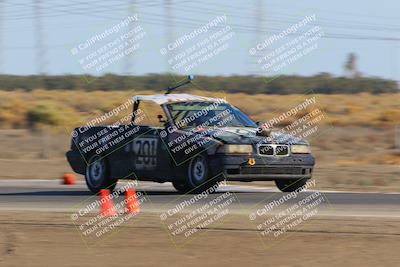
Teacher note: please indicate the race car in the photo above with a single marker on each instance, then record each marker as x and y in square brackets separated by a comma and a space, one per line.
[198, 142]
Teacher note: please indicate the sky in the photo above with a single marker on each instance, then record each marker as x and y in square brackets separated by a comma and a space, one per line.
[39, 36]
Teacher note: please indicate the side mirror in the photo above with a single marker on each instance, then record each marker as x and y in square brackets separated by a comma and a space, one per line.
[263, 131]
[160, 119]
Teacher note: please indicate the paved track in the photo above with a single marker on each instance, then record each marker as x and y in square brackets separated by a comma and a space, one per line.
[50, 195]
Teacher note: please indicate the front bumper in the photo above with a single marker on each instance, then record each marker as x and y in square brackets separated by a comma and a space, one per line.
[259, 168]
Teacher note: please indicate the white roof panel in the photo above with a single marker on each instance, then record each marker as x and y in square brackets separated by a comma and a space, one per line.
[162, 99]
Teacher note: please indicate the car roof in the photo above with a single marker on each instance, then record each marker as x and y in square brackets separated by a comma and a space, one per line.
[162, 99]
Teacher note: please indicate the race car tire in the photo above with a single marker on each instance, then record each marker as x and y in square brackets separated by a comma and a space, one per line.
[199, 175]
[195, 177]
[180, 186]
[97, 175]
[290, 185]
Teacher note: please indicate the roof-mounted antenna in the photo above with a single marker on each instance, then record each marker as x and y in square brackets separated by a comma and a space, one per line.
[188, 80]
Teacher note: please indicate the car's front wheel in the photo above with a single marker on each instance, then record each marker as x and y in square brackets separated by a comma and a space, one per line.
[195, 176]
[290, 185]
[97, 175]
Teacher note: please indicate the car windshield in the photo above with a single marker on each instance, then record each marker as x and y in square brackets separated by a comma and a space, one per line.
[193, 114]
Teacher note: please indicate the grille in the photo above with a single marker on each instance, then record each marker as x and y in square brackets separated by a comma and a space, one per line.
[282, 150]
[273, 150]
[266, 150]
[271, 170]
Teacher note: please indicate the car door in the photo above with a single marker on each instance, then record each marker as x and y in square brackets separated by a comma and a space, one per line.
[150, 156]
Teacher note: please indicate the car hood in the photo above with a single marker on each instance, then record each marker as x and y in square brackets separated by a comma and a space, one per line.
[247, 135]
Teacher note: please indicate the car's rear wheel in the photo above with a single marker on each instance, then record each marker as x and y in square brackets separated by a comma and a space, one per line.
[97, 175]
[290, 185]
[195, 176]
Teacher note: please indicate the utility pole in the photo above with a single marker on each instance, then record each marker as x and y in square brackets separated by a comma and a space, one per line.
[169, 31]
[259, 15]
[259, 25]
[1, 36]
[40, 46]
[129, 62]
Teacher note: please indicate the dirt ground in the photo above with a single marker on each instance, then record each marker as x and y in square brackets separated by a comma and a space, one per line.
[44, 239]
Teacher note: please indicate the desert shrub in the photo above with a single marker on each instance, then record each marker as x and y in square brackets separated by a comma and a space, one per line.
[43, 114]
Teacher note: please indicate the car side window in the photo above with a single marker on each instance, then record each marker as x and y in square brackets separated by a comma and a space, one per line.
[150, 114]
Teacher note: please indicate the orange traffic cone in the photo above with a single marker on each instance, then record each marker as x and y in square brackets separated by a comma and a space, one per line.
[132, 201]
[69, 179]
[107, 205]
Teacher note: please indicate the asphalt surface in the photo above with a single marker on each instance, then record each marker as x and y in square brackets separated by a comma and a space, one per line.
[51, 195]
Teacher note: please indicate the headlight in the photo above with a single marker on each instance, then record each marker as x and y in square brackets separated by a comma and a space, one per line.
[300, 149]
[236, 149]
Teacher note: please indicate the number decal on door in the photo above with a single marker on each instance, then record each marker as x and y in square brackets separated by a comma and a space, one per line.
[145, 153]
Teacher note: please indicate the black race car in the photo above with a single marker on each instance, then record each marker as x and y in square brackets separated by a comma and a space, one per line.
[200, 141]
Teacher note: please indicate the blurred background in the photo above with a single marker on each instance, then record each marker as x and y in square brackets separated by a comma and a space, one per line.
[60, 68]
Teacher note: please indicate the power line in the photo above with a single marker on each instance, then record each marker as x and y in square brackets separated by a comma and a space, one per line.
[107, 8]
[102, 11]
[295, 19]
[326, 23]
[56, 11]
[157, 21]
